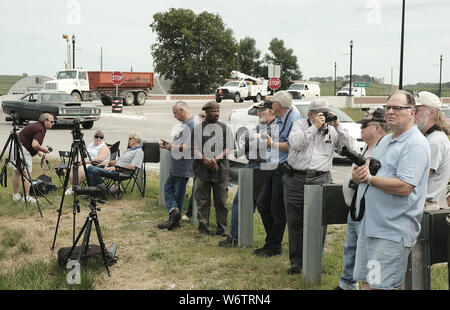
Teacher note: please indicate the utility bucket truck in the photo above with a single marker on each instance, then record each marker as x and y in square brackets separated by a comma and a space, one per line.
[92, 85]
[243, 87]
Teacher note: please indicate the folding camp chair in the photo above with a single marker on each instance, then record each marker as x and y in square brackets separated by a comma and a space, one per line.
[62, 167]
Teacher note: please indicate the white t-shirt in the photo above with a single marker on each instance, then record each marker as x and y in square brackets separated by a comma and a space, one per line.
[440, 163]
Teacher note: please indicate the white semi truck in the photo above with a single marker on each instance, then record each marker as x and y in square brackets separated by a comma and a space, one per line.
[244, 87]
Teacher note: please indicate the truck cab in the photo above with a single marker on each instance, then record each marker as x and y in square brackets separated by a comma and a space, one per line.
[304, 90]
[73, 82]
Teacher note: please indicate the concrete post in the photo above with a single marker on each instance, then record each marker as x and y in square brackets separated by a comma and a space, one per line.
[312, 235]
[164, 170]
[194, 204]
[245, 207]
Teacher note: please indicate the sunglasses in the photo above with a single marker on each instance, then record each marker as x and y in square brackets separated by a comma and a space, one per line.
[98, 137]
[367, 125]
[51, 121]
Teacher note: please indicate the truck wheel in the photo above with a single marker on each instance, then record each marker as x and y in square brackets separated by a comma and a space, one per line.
[257, 98]
[140, 98]
[237, 98]
[105, 100]
[76, 96]
[87, 125]
[129, 99]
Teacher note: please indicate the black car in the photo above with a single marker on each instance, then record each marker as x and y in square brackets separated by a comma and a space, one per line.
[63, 106]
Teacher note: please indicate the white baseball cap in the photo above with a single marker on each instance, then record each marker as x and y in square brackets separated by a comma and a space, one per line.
[428, 99]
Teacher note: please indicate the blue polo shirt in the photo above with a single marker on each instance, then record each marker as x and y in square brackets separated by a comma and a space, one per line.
[394, 217]
[282, 131]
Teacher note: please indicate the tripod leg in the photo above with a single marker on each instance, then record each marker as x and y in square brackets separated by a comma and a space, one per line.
[77, 239]
[102, 245]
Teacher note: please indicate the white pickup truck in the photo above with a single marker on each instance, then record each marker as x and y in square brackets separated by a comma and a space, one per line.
[244, 88]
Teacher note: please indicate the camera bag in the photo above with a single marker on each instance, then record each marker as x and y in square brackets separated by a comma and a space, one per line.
[94, 252]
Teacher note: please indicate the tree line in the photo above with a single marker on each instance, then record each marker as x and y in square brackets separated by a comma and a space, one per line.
[198, 52]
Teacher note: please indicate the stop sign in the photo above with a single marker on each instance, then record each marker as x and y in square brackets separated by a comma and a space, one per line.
[117, 78]
[274, 83]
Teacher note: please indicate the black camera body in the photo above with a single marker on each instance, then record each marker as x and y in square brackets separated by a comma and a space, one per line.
[329, 117]
[360, 160]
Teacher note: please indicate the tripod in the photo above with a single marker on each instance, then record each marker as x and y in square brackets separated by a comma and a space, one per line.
[77, 150]
[16, 149]
[86, 229]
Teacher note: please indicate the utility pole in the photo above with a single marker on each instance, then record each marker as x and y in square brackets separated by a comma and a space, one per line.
[101, 58]
[400, 83]
[334, 79]
[440, 76]
[73, 52]
[351, 53]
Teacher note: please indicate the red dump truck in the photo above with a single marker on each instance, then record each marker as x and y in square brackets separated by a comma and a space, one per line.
[92, 85]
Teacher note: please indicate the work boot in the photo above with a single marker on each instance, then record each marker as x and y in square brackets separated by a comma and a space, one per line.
[174, 219]
[228, 243]
[164, 225]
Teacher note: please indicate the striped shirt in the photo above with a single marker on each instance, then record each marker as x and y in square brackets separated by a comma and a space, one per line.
[311, 149]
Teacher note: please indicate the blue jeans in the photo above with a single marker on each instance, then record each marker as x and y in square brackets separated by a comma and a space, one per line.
[174, 191]
[346, 281]
[235, 209]
[95, 174]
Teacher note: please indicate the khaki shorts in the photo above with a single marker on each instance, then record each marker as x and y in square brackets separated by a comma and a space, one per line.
[431, 205]
[28, 159]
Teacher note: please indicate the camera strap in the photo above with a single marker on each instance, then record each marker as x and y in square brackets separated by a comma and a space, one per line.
[362, 204]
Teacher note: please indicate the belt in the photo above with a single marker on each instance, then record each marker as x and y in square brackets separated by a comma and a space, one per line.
[309, 173]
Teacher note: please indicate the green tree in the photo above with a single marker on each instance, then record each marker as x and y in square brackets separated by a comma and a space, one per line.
[249, 57]
[197, 52]
[284, 57]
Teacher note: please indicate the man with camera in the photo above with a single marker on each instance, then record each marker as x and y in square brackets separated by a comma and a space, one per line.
[254, 145]
[270, 203]
[394, 198]
[180, 165]
[312, 142]
[31, 138]
[432, 123]
[131, 159]
[373, 128]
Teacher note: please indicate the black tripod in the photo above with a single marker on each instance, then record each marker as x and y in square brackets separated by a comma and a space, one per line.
[87, 228]
[18, 161]
[77, 151]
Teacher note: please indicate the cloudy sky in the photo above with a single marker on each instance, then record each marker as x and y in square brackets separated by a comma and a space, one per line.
[319, 32]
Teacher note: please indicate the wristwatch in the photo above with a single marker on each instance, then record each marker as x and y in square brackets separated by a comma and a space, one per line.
[369, 180]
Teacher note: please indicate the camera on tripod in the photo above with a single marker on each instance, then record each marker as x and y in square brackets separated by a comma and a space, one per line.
[87, 190]
[360, 160]
[329, 117]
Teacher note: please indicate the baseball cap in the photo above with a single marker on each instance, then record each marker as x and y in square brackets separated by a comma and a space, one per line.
[266, 104]
[211, 105]
[428, 99]
[377, 116]
[318, 105]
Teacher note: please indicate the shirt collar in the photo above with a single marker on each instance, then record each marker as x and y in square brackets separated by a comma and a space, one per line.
[405, 135]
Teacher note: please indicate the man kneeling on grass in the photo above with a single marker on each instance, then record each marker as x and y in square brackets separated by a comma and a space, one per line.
[131, 159]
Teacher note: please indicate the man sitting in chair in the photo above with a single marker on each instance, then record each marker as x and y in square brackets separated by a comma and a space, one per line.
[131, 159]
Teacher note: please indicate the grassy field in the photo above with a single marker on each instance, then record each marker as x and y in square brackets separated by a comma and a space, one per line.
[7, 81]
[150, 258]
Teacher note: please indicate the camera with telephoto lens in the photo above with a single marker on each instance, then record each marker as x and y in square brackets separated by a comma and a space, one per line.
[329, 117]
[87, 190]
[359, 160]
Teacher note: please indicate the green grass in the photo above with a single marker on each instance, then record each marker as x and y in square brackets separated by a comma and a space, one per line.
[167, 259]
[7, 81]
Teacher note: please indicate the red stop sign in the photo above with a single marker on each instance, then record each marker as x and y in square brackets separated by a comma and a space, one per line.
[274, 83]
[117, 78]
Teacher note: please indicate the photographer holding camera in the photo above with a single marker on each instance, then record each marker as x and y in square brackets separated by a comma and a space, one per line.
[373, 128]
[31, 138]
[394, 198]
[312, 143]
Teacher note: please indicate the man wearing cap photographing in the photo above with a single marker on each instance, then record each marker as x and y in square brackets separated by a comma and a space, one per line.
[394, 198]
[373, 128]
[254, 145]
[270, 202]
[312, 142]
[211, 142]
[432, 123]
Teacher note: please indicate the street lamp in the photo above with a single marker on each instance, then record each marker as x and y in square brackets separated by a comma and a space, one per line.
[400, 83]
[73, 50]
[351, 54]
[440, 76]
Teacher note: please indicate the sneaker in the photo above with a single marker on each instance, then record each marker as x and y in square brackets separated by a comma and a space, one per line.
[228, 243]
[174, 219]
[69, 191]
[16, 197]
[185, 218]
[29, 199]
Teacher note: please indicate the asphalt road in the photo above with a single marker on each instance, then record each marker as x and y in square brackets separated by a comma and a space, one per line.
[154, 120]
